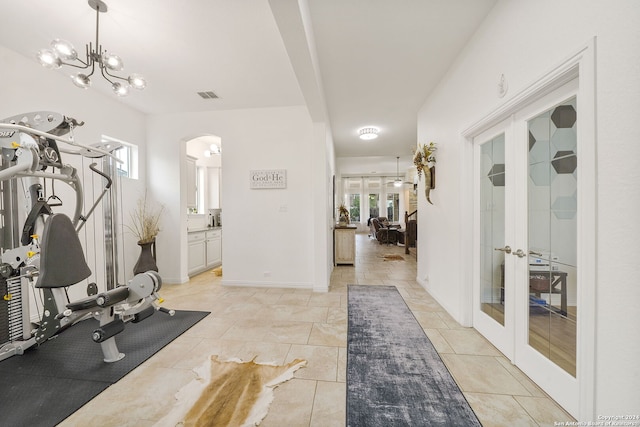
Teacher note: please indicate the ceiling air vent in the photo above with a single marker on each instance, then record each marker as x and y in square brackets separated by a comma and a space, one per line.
[208, 95]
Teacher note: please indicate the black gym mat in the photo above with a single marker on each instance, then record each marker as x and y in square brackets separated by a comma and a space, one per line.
[48, 383]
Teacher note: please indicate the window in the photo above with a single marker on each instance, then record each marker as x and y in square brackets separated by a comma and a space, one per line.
[354, 207]
[374, 205]
[393, 207]
[128, 154]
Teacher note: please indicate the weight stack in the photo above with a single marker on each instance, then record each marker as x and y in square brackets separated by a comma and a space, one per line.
[11, 316]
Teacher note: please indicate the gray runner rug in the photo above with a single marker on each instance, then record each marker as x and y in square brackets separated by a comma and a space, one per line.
[395, 376]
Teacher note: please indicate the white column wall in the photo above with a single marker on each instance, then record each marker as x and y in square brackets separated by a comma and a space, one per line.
[322, 202]
[523, 40]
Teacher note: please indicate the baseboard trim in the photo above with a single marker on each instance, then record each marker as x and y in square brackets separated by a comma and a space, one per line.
[174, 280]
[425, 286]
[270, 284]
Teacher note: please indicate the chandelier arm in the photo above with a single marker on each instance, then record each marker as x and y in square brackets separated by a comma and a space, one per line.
[106, 71]
[93, 68]
[83, 66]
[106, 74]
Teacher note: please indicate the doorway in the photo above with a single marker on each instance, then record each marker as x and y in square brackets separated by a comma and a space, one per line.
[204, 177]
[527, 271]
[204, 209]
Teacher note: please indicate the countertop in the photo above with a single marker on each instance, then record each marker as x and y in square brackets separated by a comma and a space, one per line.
[198, 230]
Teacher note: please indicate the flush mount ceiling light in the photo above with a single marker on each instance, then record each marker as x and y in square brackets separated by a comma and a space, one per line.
[369, 132]
[397, 182]
[63, 53]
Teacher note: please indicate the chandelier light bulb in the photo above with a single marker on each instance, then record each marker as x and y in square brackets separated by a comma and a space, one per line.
[137, 81]
[214, 149]
[120, 89]
[397, 183]
[48, 58]
[112, 62]
[81, 80]
[207, 153]
[64, 50]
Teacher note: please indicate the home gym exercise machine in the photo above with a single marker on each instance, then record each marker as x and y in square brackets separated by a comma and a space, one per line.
[40, 249]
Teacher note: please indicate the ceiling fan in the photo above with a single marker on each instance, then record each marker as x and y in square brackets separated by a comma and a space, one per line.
[397, 182]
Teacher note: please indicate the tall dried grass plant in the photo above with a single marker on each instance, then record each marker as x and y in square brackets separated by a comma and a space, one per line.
[145, 220]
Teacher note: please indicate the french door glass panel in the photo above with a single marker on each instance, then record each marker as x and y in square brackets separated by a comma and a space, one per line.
[393, 207]
[552, 213]
[354, 208]
[492, 227]
[374, 205]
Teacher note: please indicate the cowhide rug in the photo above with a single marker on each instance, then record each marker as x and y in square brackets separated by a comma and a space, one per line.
[228, 393]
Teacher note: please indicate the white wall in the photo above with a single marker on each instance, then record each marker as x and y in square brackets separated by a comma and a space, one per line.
[267, 234]
[375, 165]
[27, 87]
[523, 40]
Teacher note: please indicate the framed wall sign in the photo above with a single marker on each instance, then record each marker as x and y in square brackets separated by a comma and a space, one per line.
[273, 178]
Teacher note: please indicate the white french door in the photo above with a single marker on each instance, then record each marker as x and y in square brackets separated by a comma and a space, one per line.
[526, 272]
[495, 231]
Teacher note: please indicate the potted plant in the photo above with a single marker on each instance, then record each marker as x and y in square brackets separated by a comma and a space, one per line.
[145, 225]
[343, 215]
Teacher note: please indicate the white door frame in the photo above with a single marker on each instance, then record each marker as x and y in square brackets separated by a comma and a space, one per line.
[580, 65]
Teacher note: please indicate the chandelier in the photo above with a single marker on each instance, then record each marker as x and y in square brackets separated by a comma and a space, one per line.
[63, 53]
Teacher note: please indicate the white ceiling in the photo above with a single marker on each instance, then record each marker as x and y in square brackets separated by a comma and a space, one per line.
[377, 60]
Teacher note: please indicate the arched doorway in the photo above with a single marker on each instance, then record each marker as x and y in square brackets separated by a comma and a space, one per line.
[203, 203]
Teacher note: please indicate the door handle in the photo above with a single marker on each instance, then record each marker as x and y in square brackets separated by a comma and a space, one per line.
[519, 253]
[506, 249]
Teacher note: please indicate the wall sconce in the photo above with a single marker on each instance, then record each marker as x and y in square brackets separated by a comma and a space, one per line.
[213, 149]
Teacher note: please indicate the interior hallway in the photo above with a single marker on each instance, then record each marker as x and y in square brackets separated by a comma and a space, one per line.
[279, 325]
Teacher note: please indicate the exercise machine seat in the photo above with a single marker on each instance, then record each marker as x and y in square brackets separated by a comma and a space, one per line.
[62, 260]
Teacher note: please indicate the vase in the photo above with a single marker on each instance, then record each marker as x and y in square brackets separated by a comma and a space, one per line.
[429, 183]
[343, 221]
[147, 259]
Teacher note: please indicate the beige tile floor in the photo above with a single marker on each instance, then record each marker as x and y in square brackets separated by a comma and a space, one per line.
[279, 325]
